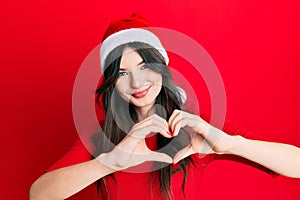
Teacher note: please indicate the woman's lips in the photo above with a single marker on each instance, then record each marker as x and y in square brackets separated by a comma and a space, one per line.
[141, 94]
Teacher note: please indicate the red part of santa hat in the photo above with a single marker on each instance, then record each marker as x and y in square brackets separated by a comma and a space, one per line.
[129, 29]
[136, 20]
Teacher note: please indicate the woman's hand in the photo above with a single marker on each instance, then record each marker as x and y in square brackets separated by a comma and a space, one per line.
[132, 150]
[207, 139]
[180, 119]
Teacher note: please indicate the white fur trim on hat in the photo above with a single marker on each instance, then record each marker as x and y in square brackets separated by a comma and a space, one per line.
[130, 35]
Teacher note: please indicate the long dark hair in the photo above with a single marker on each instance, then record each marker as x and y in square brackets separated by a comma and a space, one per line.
[169, 99]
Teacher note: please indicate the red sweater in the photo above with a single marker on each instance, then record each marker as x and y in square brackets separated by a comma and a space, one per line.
[138, 185]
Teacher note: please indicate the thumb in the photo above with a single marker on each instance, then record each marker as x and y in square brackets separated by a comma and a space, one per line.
[160, 157]
[183, 153]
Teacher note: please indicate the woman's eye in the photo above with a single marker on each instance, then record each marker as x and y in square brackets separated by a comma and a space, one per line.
[122, 73]
[144, 67]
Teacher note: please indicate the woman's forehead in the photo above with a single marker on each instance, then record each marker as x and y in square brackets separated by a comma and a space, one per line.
[130, 58]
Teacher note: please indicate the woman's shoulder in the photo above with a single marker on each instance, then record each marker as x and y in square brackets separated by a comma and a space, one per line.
[79, 152]
[228, 126]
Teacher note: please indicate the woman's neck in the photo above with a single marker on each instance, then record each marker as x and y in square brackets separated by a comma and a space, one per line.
[143, 113]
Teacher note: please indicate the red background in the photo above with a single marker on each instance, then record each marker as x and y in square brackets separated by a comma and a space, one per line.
[254, 43]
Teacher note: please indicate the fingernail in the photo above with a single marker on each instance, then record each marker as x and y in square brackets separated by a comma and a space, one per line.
[171, 132]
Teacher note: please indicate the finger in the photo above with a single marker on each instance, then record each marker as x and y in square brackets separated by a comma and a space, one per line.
[164, 132]
[149, 119]
[153, 123]
[183, 154]
[179, 122]
[158, 124]
[177, 126]
[157, 120]
[172, 117]
[153, 128]
[164, 126]
[180, 116]
[185, 119]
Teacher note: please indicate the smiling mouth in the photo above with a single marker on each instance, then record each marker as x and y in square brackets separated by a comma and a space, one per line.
[141, 94]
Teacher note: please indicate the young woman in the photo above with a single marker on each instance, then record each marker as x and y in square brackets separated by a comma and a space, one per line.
[150, 145]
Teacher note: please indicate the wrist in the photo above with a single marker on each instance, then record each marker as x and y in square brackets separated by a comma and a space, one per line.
[238, 142]
[105, 164]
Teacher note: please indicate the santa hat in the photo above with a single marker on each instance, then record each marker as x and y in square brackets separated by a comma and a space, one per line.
[131, 29]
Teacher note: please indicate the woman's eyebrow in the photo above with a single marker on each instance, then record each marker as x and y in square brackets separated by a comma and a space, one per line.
[122, 69]
[141, 62]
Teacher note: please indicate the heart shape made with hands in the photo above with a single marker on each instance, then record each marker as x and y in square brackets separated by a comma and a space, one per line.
[196, 128]
[192, 139]
[197, 145]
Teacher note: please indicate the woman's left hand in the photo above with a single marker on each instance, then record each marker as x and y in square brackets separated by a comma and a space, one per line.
[207, 139]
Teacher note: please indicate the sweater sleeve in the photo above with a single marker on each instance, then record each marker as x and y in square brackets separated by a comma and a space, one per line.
[76, 154]
[232, 128]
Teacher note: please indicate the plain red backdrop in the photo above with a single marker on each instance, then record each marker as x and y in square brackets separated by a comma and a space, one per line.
[255, 45]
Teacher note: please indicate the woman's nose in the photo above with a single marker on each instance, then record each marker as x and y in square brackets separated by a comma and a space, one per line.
[136, 79]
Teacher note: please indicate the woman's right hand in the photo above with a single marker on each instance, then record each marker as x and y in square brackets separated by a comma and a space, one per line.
[132, 150]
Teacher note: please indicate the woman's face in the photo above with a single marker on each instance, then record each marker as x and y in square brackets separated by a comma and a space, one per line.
[136, 83]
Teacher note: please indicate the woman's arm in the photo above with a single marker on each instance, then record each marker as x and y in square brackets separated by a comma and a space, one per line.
[131, 151]
[278, 157]
[281, 158]
[63, 183]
